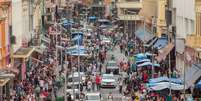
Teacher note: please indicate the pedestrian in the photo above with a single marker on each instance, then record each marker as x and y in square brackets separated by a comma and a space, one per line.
[126, 52]
[93, 82]
[121, 47]
[110, 97]
[69, 97]
[89, 85]
[98, 81]
[120, 86]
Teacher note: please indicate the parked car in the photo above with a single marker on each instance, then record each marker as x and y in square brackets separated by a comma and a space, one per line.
[112, 67]
[93, 97]
[74, 79]
[108, 80]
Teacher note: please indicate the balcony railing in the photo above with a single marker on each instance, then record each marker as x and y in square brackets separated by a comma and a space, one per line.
[136, 5]
[130, 17]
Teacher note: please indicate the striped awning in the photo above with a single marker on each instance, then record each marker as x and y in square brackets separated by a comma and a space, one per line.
[164, 52]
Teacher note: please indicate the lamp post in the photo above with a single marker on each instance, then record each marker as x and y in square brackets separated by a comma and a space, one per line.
[79, 63]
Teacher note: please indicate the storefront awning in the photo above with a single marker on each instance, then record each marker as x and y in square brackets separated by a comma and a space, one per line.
[3, 81]
[23, 53]
[161, 43]
[144, 34]
[192, 75]
[164, 52]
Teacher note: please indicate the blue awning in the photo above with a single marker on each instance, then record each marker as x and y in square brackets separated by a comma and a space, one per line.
[198, 85]
[76, 49]
[148, 64]
[192, 75]
[144, 34]
[92, 17]
[145, 64]
[143, 60]
[164, 85]
[166, 79]
[77, 37]
[161, 42]
[67, 22]
[77, 33]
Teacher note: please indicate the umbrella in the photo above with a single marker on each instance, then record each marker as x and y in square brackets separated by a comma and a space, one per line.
[198, 85]
[145, 64]
[77, 37]
[166, 79]
[164, 85]
[92, 17]
[156, 65]
[143, 60]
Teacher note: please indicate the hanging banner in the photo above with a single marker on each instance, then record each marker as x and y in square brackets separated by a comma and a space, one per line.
[23, 70]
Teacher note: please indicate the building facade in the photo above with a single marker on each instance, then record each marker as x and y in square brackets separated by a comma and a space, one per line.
[22, 22]
[128, 13]
[5, 19]
[184, 17]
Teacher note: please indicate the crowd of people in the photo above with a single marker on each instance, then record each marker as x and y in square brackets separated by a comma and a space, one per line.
[39, 83]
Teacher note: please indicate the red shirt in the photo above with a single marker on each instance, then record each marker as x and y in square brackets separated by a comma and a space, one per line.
[45, 93]
[145, 77]
[98, 80]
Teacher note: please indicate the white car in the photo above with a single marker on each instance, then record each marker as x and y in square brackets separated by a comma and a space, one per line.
[74, 79]
[108, 80]
[93, 97]
[112, 67]
[70, 91]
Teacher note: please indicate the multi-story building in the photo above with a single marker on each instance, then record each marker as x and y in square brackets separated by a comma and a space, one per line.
[5, 20]
[194, 40]
[184, 20]
[154, 13]
[128, 14]
[22, 22]
[184, 17]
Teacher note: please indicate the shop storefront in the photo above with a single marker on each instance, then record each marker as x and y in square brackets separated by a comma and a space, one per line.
[6, 84]
[23, 56]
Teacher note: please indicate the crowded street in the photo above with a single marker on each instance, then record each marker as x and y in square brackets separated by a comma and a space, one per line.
[99, 50]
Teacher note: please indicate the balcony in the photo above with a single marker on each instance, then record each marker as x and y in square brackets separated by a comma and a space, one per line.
[129, 17]
[193, 41]
[130, 4]
[5, 2]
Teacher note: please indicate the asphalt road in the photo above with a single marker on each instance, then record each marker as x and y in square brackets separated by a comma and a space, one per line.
[115, 91]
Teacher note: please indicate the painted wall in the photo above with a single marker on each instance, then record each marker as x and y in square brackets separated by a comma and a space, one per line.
[4, 35]
[149, 8]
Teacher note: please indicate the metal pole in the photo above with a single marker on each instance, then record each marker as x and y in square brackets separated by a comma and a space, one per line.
[79, 63]
[184, 77]
[152, 52]
[65, 97]
[135, 37]
[61, 54]
[144, 36]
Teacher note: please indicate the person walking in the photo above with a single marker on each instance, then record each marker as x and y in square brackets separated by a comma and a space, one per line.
[89, 85]
[120, 85]
[98, 81]
[93, 82]
[110, 97]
